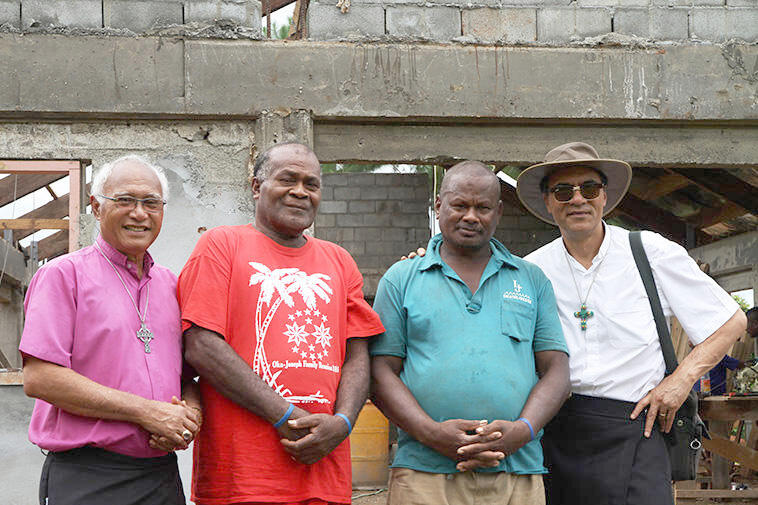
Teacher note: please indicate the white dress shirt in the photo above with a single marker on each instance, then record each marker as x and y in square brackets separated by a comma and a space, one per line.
[619, 355]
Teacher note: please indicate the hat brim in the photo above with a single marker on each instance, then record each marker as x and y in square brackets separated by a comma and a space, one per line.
[619, 174]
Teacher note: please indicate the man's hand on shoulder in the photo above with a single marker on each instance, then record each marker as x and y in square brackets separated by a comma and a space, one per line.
[499, 439]
[419, 252]
[325, 434]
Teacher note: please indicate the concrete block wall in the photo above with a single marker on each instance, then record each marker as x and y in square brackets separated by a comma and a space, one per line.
[137, 16]
[521, 232]
[542, 22]
[377, 217]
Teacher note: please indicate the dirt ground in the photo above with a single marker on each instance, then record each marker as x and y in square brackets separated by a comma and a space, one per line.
[370, 496]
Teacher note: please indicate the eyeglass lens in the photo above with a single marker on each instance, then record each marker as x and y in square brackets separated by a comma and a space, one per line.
[588, 190]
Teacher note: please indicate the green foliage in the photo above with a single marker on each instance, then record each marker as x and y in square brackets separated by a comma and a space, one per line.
[741, 302]
[279, 32]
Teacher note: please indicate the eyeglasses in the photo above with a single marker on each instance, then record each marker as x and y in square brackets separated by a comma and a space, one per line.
[565, 192]
[129, 202]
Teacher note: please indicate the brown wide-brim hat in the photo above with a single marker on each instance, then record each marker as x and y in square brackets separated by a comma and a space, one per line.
[573, 154]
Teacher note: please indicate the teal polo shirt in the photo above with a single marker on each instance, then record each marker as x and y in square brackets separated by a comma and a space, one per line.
[467, 355]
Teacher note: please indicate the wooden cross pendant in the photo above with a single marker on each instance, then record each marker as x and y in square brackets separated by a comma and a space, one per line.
[583, 315]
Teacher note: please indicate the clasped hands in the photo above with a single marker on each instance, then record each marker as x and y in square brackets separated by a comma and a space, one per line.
[477, 444]
[169, 423]
[309, 437]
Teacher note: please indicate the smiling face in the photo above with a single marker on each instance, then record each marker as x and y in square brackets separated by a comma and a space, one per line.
[469, 209]
[288, 197]
[130, 231]
[578, 218]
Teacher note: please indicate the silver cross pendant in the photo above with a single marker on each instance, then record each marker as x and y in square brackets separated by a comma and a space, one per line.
[145, 336]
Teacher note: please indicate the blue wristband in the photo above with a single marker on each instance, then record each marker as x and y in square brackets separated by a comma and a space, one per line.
[526, 421]
[285, 416]
[344, 417]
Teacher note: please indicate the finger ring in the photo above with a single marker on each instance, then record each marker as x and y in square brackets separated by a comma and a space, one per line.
[662, 415]
[187, 435]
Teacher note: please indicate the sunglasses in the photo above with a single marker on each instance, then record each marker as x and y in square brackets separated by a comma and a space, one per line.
[565, 192]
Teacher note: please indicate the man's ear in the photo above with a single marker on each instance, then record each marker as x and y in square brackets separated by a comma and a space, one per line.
[256, 187]
[95, 206]
[437, 204]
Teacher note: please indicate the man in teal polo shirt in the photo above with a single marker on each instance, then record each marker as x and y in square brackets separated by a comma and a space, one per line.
[473, 362]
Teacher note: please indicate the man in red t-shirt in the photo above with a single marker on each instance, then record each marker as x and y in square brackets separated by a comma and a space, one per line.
[276, 326]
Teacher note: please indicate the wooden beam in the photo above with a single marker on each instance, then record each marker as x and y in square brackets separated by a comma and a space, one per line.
[34, 224]
[52, 246]
[653, 218]
[724, 184]
[710, 216]
[725, 408]
[27, 183]
[273, 5]
[691, 495]
[732, 451]
[663, 185]
[38, 166]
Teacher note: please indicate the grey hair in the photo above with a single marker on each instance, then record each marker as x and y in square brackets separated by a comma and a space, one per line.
[262, 166]
[102, 175]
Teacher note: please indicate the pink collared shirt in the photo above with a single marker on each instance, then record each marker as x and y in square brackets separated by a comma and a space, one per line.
[79, 316]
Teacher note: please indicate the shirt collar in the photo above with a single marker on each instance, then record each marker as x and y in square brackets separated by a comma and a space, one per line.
[500, 254]
[120, 259]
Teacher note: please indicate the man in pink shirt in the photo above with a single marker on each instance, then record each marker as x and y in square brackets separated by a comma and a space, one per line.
[102, 354]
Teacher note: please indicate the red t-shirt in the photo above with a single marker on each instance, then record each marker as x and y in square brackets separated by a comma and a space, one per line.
[288, 313]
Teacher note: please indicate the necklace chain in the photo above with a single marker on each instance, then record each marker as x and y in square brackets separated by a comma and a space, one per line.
[143, 334]
[583, 313]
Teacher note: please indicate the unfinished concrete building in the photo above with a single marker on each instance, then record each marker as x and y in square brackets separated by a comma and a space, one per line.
[669, 85]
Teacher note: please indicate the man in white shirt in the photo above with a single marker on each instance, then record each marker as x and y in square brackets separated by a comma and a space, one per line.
[605, 446]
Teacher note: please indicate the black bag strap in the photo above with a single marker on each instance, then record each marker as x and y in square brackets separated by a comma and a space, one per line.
[643, 265]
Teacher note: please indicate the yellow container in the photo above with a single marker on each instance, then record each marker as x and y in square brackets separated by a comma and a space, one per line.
[369, 448]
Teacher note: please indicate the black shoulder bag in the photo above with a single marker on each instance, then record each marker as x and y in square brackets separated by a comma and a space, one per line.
[684, 440]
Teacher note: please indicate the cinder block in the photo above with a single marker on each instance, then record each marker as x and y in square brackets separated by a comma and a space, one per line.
[742, 3]
[655, 23]
[367, 234]
[327, 193]
[362, 179]
[507, 25]
[333, 207]
[431, 23]
[374, 193]
[324, 221]
[697, 3]
[139, 16]
[400, 192]
[389, 207]
[612, 3]
[346, 193]
[556, 24]
[10, 13]
[327, 22]
[376, 219]
[74, 13]
[334, 179]
[353, 220]
[394, 234]
[722, 24]
[242, 12]
[362, 206]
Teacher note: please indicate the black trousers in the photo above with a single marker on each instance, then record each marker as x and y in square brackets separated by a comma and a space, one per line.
[596, 455]
[92, 476]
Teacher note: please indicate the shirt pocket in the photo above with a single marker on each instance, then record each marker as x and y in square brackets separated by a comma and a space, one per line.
[630, 323]
[517, 320]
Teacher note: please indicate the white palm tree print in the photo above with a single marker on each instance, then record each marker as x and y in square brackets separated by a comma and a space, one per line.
[283, 282]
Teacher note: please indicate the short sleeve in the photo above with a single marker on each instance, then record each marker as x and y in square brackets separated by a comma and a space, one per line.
[203, 288]
[731, 363]
[362, 321]
[548, 333]
[677, 277]
[389, 305]
[50, 314]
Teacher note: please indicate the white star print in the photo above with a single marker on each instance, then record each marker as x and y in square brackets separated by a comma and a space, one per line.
[324, 318]
[311, 348]
[308, 320]
[307, 312]
[323, 335]
[296, 334]
[295, 349]
[291, 317]
[316, 312]
[298, 313]
[303, 354]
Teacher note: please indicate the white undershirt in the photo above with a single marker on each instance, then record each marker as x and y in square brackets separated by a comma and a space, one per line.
[619, 355]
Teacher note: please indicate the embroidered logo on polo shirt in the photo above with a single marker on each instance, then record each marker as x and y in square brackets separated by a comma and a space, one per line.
[517, 294]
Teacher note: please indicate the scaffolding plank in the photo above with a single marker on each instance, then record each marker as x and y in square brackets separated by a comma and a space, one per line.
[34, 224]
[27, 183]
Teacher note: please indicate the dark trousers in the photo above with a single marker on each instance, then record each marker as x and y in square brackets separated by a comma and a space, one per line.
[596, 455]
[91, 476]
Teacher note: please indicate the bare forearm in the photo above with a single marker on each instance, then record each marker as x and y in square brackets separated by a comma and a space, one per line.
[230, 375]
[354, 380]
[191, 394]
[708, 353]
[551, 389]
[396, 401]
[76, 394]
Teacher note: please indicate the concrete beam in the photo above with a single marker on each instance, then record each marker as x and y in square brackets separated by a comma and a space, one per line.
[282, 126]
[730, 256]
[527, 143]
[15, 266]
[125, 77]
